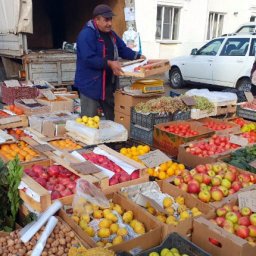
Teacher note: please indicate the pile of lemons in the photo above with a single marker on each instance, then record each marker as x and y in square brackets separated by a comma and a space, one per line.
[166, 170]
[92, 122]
[133, 152]
[175, 209]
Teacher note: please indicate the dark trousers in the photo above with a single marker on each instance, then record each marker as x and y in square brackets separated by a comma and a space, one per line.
[89, 107]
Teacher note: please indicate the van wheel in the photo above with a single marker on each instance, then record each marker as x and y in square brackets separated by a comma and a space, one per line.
[175, 77]
[244, 84]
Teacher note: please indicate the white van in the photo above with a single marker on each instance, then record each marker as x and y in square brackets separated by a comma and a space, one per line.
[247, 28]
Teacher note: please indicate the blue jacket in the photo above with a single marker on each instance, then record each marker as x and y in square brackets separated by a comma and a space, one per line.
[91, 64]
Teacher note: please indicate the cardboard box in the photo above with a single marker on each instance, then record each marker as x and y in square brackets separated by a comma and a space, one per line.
[123, 119]
[204, 230]
[151, 238]
[60, 104]
[234, 129]
[170, 142]
[124, 102]
[191, 160]
[52, 125]
[184, 227]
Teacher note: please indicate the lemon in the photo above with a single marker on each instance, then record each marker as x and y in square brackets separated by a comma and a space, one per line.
[85, 119]
[96, 119]
[79, 120]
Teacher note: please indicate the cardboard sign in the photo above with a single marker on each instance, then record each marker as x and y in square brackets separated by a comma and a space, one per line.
[12, 83]
[189, 101]
[85, 168]
[28, 101]
[247, 199]
[249, 96]
[154, 158]
[43, 148]
[48, 95]
[238, 140]
[253, 164]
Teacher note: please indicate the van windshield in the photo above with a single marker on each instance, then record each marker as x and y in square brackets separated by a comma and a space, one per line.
[246, 29]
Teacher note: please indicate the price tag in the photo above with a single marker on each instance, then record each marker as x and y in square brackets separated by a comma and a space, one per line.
[28, 101]
[85, 168]
[247, 199]
[249, 96]
[154, 158]
[48, 94]
[238, 140]
[189, 101]
[12, 83]
[43, 148]
[253, 164]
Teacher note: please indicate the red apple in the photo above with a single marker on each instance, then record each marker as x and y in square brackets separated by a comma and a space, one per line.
[66, 192]
[236, 185]
[198, 177]
[187, 178]
[59, 187]
[204, 196]
[224, 190]
[216, 181]
[135, 175]
[228, 207]
[242, 231]
[55, 195]
[215, 242]
[244, 221]
[183, 187]
[220, 221]
[41, 181]
[177, 181]
[229, 226]
[49, 186]
[201, 168]
[217, 195]
[193, 187]
[113, 181]
[230, 176]
[231, 191]
[206, 179]
[53, 170]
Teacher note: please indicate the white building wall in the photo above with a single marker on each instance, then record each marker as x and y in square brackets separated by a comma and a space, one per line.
[193, 23]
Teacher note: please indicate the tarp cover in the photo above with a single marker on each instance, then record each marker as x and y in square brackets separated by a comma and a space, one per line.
[16, 16]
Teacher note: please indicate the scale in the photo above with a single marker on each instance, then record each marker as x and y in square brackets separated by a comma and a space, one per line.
[149, 85]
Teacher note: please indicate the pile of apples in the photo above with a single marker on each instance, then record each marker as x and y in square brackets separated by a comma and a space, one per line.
[213, 146]
[92, 122]
[183, 130]
[216, 126]
[213, 182]
[120, 174]
[241, 222]
[57, 179]
[175, 209]
[108, 226]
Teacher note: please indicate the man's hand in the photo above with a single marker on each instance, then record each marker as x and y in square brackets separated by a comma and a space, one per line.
[116, 67]
[142, 57]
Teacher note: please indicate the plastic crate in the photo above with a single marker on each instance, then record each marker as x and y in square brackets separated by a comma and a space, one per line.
[174, 240]
[142, 134]
[246, 113]
[181, 115]
[149, 120]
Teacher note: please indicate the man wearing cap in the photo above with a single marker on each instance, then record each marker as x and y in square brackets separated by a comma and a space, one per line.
[98, 49]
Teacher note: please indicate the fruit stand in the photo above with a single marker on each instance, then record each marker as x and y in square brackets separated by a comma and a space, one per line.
[170, 176]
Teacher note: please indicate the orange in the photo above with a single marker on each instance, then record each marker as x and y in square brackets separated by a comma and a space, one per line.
[146, 148]
[170, 172]
[181, 167]
[162, 175]
[123, 151]
[150, 171]
[163, 167]
[5, 148]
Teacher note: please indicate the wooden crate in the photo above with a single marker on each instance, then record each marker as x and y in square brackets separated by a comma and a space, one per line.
[36, 196]
[14, 122]
[153, 67]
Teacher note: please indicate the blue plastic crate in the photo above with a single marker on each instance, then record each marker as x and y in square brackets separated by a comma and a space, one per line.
[142, 134]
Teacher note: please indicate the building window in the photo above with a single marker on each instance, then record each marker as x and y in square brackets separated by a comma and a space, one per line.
[252, 18]
[215, 25]
[167, 22]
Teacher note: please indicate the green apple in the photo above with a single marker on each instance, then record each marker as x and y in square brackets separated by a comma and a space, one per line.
[164, 252]
[154, 254]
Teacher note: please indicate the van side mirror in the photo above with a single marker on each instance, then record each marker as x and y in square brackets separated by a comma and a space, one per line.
[194, 51]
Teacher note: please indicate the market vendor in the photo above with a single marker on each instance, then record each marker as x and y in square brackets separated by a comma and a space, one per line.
[97, 67]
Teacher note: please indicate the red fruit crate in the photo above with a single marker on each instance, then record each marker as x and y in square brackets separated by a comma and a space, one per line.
[10, 94]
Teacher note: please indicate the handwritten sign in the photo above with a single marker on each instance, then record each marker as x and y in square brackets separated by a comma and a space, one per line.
[43, 148]
[28, 101]
[238, 140]
[189, 101]
[247, 199]
[249, 96]
[85, 168]
[154, 158]
[48, 94]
